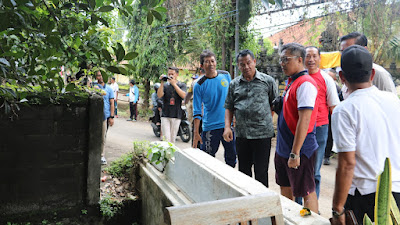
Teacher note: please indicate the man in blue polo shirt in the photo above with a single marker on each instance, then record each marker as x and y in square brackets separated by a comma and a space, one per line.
[108, 118]
[210, 92]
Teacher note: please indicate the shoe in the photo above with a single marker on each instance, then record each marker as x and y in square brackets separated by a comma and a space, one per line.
[134, 120]
[129, 120]
[327, 161]
[103, 161]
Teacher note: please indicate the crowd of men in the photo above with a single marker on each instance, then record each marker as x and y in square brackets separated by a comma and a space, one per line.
[311, 117]
[238, 113]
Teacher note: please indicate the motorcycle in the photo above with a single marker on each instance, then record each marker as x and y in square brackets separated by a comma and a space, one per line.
[184, 127]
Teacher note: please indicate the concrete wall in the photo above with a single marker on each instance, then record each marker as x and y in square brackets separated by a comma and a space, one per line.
[196, 177]
[50, 157]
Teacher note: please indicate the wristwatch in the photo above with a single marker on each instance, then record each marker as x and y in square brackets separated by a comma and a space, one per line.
[112, 117]
[294, 156]
[336, 213]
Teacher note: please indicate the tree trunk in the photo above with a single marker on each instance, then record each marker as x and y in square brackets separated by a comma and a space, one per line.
[146, 96]
[231, 67]
[223, 58]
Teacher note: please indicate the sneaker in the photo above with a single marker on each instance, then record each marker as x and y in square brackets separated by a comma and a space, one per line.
[103, 161]
[327, 161]
[129, 120]
[134, 120]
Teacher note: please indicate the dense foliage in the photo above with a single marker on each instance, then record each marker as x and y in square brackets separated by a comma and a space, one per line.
[40, 37]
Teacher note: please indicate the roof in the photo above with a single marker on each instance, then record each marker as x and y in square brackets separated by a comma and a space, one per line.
[299, 32]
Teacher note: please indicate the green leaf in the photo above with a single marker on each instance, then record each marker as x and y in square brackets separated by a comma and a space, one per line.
[103, 21]
[106, 55]
[123, 12]
[70, 87]
[153, 3]
[122, 70]
[383, 193]
[161, 9]
[149, 18]
[113, 69]
[106, 8]
[394, 211]
[367, 220]
[92, 4]
[129, 66]
[67, 6]
[131, 55]
[4, 61]
[94, 19]
[120, 52]
[157, 15]
[85, 25]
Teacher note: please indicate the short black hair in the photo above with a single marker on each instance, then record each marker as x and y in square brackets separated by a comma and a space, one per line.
[295, 49]
[174, 68]
[205, 54]
[113, 78]
[244, 53]
[311, 46]
[361, 39]
[132, 82]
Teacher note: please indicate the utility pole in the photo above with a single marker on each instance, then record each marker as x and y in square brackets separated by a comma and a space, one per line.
[237, 37]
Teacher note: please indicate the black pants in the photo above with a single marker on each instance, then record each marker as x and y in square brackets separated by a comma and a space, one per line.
[329, 141]
[133, 110]
[257, 152]
[361, 204]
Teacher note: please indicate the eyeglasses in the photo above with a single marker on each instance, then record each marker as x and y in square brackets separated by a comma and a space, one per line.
[285, 59]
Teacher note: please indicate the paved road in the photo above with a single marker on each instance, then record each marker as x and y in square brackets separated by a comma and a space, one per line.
[121, 136]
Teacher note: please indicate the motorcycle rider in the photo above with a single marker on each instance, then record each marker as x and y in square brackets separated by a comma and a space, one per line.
[157, 105]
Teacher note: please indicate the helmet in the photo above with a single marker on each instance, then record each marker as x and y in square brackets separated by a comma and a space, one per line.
[156, 86]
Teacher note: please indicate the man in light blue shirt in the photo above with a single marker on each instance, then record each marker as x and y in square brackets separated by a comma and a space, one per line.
[210, 91]
[108, 111]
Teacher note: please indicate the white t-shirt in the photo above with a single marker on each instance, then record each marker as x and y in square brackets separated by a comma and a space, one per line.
[332, 97]
[368, 123]
[115, 88]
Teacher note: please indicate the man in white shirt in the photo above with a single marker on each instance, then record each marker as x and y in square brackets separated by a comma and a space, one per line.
[115, 88]
[383, 79]
[366, 130]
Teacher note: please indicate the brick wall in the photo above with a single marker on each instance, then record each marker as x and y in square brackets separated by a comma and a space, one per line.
[50, 157]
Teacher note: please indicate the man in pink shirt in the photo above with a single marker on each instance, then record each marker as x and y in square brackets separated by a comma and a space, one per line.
[327, 99]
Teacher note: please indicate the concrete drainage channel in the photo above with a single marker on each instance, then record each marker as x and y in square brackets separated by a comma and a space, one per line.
[199, 189]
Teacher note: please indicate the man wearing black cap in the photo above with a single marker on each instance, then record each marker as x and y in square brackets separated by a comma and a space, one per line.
[366, 130]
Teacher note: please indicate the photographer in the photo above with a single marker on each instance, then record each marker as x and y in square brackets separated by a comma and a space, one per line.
[172, 93]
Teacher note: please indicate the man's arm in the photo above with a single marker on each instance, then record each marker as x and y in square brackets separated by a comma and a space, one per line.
[112, 110]
[136, 90]
[228, 134]
[197, 113]
[300, 135]
[344, 177]
[178, 90]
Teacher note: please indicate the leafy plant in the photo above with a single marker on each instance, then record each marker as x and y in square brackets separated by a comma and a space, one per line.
[124, 164]
[121, 166]
[161, 152]
[37, 40]
[109, 207]
[386, 210]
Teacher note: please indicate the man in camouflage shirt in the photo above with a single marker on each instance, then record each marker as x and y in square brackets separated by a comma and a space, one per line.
[250, 97]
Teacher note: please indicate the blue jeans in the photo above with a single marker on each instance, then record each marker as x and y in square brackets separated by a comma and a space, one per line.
[322, 136]
[211, 140]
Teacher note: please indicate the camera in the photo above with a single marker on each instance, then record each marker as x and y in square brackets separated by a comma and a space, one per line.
[277, 104]
[165, 77]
